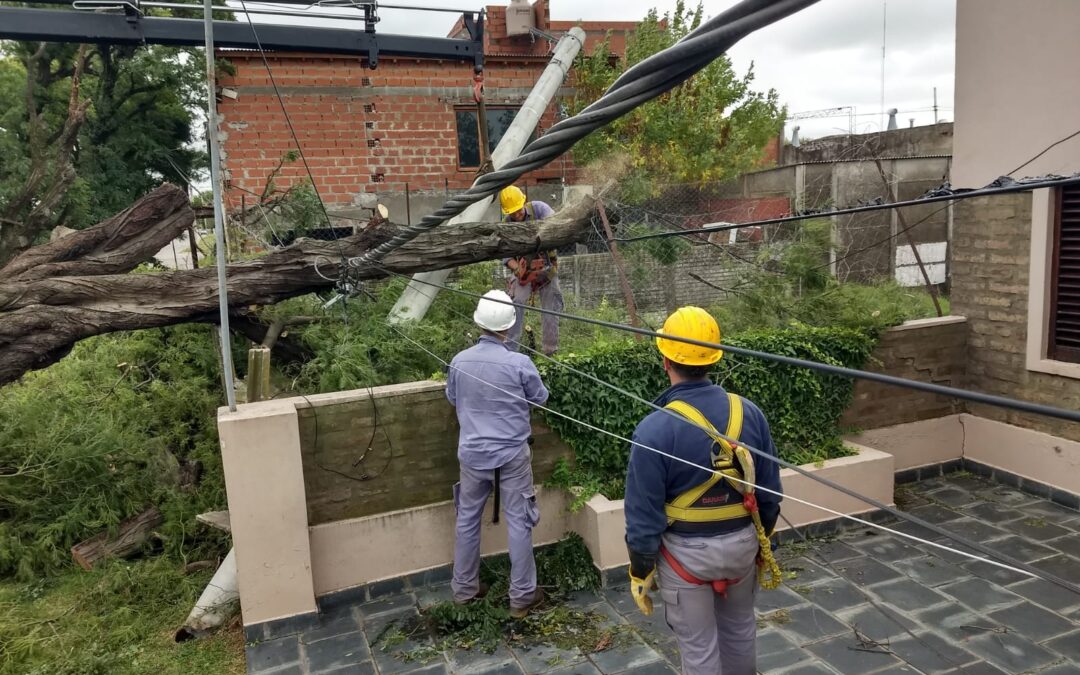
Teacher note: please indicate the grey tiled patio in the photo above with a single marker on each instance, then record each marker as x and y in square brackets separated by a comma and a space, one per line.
[859, 602]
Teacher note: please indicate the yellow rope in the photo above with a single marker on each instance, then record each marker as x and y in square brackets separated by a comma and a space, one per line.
[769, 574]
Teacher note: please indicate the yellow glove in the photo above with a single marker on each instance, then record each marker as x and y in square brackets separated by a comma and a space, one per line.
[639, 589]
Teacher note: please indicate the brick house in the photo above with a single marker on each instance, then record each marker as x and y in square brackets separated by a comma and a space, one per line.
[1016, 258]
[409, 124]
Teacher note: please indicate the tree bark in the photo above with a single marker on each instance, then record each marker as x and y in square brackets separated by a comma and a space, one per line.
[43, 314]
[132, 534]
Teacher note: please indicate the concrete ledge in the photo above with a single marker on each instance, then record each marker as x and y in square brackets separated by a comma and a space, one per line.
[916, 444]
[870, 472]
[362, 551]
[1031, 455]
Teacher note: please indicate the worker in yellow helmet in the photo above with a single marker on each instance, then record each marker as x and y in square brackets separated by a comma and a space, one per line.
[700, 533]
[533, 273]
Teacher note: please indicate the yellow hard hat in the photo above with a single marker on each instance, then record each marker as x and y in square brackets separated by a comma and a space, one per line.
[512, 199]
[696, 324]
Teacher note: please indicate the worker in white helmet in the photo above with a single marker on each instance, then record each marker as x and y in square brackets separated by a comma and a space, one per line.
[491, 387]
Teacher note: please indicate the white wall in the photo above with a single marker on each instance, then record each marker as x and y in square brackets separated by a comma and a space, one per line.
[1017, 88]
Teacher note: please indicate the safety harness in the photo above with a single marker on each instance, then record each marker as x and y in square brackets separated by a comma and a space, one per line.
[531, 267]
[733, 464]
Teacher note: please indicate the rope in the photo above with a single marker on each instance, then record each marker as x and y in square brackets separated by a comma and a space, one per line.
[643, 82]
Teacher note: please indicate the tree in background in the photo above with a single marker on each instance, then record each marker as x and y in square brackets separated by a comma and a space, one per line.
[86, 130]
[710, 128]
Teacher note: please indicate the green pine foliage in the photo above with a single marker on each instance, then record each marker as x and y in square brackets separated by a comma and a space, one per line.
[100, 436]
[710, 128]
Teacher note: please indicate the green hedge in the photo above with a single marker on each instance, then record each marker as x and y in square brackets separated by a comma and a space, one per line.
[803, 406]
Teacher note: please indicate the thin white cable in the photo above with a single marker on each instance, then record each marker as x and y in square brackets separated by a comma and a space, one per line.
[846, 516]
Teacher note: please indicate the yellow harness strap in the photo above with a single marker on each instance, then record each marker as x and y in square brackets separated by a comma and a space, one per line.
[724, 463]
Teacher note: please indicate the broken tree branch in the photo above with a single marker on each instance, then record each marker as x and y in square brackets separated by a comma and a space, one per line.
[43, 315]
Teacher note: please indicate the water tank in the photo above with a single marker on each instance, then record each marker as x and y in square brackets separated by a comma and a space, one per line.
[519, 17]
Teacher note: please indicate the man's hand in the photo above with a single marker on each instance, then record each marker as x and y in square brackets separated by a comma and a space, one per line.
[642, 580]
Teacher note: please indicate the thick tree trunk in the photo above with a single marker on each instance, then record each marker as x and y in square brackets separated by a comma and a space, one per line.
[42, 315]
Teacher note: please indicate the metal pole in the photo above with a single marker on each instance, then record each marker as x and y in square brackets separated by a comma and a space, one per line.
[219, 220]
[418, 296]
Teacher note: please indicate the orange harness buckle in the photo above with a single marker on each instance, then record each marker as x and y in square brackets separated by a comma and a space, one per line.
[719, 586]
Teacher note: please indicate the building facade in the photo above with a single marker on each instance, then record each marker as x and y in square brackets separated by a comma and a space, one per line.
[409, 125]
[1016, 258]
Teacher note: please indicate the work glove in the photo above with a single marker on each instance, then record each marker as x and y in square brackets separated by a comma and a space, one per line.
[642, 580]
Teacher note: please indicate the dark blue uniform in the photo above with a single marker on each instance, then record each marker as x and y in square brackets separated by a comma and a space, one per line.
[652, 480]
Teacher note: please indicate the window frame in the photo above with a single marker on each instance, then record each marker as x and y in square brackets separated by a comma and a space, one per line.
[1041, 286]
[472, 110]
[1054, 351]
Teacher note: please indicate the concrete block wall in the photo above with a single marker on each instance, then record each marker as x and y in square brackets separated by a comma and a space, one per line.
[393, 449]
[928, 350]
[990, 270]
[593, 277]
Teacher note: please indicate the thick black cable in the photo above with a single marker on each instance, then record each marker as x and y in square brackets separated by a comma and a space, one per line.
[1020, 186]
[643, 82]
[953, 392]
[937, 529]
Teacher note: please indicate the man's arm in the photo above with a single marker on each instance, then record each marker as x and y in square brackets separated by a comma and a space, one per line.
[535, 391]
[451, 384]
[646, 493]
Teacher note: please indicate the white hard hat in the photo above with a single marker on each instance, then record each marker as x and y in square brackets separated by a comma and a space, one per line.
[495, 316]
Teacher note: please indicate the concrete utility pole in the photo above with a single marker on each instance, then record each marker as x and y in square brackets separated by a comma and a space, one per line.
[417, 298]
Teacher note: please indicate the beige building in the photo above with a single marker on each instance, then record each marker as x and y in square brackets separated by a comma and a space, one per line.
[1016, 259]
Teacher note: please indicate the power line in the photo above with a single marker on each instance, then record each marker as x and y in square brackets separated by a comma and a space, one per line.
[1007, 186]
[643, 82]
[1013, 565]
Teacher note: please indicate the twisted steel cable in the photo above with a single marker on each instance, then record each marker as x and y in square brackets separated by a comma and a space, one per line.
[643, 82]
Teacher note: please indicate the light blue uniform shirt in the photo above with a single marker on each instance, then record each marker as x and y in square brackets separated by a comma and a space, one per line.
[494, 424]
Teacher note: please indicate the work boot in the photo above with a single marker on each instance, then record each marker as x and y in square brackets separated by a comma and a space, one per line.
[480, 593]
[522, 612]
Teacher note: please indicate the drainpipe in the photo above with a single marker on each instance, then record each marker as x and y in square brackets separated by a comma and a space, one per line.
[417, 298]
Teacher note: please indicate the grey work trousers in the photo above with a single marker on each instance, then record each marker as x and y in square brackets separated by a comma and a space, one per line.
[522, 515]
[716, 634]
[550, 298]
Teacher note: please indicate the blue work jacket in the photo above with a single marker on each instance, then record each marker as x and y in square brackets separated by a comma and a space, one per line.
[492, 387]
[653, 480]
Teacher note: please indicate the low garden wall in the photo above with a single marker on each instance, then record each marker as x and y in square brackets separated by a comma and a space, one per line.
[334, 491]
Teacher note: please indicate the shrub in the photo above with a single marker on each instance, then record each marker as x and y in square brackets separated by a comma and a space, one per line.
[803, 406]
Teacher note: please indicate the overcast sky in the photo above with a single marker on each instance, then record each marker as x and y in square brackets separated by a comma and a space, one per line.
[827, 56]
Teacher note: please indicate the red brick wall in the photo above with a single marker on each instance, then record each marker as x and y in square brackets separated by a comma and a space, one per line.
[362, 130]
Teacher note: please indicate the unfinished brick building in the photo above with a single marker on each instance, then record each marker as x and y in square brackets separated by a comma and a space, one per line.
[410, 124]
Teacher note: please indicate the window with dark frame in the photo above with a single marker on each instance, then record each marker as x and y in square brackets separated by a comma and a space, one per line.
[468, 141]
[1064, 343]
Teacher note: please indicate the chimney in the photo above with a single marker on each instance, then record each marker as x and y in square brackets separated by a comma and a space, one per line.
[911, 123]
[795, 137]
[892, 118]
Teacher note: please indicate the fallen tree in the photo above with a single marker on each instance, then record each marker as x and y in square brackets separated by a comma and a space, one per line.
[78, 286]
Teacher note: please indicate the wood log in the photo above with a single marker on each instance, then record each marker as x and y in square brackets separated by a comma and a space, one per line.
[43, 316]
[130, 537]
[114, 246]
